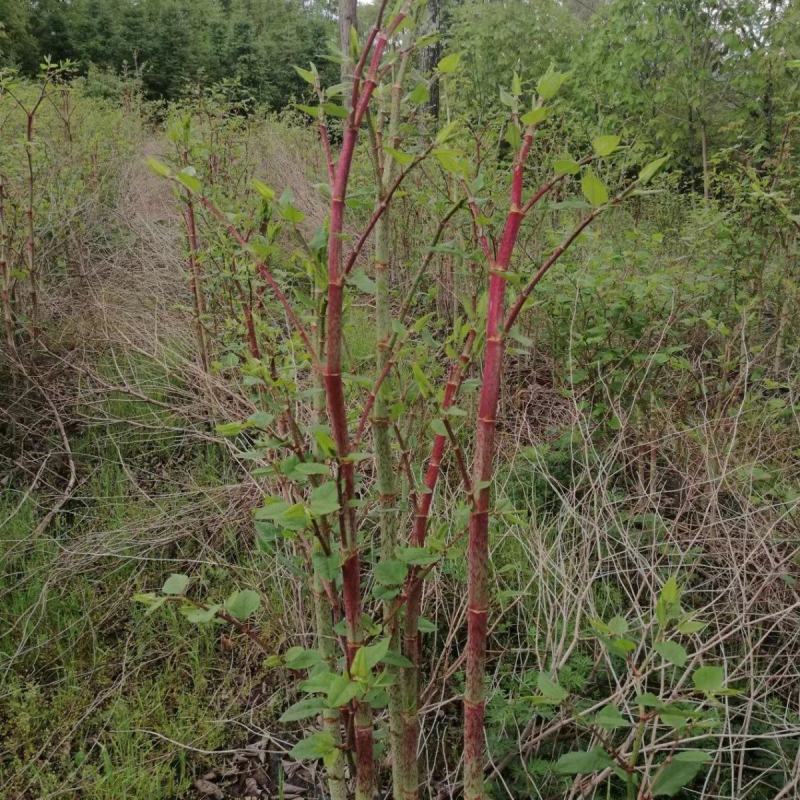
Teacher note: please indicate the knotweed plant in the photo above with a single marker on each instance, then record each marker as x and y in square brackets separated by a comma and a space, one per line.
[348, 471]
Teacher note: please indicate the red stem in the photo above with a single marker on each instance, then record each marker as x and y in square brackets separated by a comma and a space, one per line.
[335, 396]
[413, 588]
[478, 547]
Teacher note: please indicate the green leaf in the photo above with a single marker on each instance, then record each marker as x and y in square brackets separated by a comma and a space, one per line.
[609, 718]
[152, 601]
[200, 616]
[229, 428]
[438, 427]
[162, 170]
[327, 567]
[709, 680]
[319, 681]
[375, 653]
[451, 161]
[550, 83]
[294, 518]
[508, 99]
[690, 626]
[272, 509]
[301, 658]
[176, 584]
[312, 111]
[449, 63]
[243, 603]
[391, 572]
[358, 668]
[447, 132]
[618, 646]
[425, 625]
[551, 689]
[318, 745]
[325, 442]
[513, 135]
[668, 605]
[566, 166]
[649, 700]
[618, 626]
[394, 659]
[649, 171]
[265, 191]
[671, 592]
[679, 772]
[421, 380]
[672, 652]
[312, 468]
[582, 762]
[342, 690]
[308, 707]
[593, 188]
[324, 499]
[605, 145]
[291, 214]
[260, 419]
[419, 94]
[403, 159]
[306, 74]
[363, 282]
[188, 177]
[334, 110]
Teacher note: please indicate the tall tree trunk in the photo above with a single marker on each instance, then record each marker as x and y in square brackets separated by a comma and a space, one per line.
[431, 56]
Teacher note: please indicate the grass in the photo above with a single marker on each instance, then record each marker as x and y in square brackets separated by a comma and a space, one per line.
[99, 699]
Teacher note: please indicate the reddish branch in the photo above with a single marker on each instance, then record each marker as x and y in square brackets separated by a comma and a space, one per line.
[413, 588]
[478, 547]
[363, 88]
[498, 324]
[264, 272]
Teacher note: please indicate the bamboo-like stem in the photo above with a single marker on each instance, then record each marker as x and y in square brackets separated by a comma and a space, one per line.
[324, 607]
[413, 589]
[396, 338]
[331, 718]
[30, 246]
[384, 461]
[195, 281]
[334, 392]
[478, 547]
[246, 296]
[5, 275]
[498, 324]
